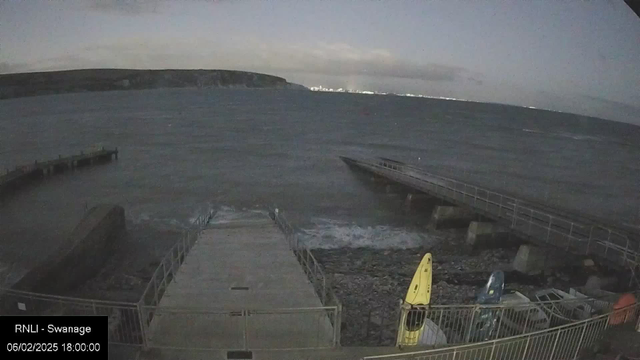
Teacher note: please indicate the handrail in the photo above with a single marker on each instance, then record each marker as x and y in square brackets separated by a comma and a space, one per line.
[473, 322]
[582, 237]
[313, 270]
[495, 349]
[171, 262]
[59, 298]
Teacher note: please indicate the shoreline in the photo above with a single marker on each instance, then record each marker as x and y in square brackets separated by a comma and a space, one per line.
[371, 282]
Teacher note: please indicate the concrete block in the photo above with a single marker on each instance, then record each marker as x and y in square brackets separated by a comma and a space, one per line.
[599, 283]
[418, 200]
[534, 260]
[451, 216]
[486, 234]
[81, 257]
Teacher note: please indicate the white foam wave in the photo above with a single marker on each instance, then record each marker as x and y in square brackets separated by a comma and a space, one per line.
[565, 134]
[331, 234]
[148, 217]
[228, 214]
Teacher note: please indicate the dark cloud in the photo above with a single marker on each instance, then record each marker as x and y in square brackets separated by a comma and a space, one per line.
[628, 108]
[346, 60]
[380, 67]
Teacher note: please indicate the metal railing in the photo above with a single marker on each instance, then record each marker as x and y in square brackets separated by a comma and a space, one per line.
[523, 218]
[128, 322]
[268, 329]
[314, 271]
[461, 324]
[240, 328]
[560, 343]
[125, 325]
[168, 268]
[19, 171]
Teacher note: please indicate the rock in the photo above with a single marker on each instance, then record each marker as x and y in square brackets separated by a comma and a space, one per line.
[588, 263]
[376, 319]
[550, 280]
[597, 283]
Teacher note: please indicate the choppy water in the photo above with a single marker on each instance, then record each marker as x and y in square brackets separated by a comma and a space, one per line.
[185, 151]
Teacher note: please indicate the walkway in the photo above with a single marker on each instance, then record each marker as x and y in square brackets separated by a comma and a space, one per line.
[241, 287]
[38, 169]
[542, 224]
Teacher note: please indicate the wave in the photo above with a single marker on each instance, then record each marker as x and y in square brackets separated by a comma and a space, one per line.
[566, 135]
[332, 234]
[319, 233]
[227, 214]
[175, 219]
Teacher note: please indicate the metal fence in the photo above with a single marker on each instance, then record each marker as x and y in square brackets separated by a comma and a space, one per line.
[560, 343]
[127, 322]
[313, 270]
[525, 219]
[125, 325]
[461, 324]
[168, 268]
[268, 329]
[240, 328]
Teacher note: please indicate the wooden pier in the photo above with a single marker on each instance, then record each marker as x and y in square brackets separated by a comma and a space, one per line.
[12, 179]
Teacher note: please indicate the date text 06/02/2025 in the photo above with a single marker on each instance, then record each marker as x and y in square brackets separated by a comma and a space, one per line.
[52, 347]
[41, 336]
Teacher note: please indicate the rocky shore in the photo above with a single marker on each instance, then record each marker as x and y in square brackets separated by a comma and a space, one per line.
[371, 282]
[128, 271]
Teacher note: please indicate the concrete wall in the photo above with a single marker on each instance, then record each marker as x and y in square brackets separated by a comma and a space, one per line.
[534, 260]
[486, 234]
[451, 216]
[82, 256]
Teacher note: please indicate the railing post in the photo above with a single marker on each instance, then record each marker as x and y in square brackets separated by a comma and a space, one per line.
[337, 323]
[473, 316]
[526, 347]
[324, 291]
[555, 344]
[493, 350]
[143, 321]
[515, 211]
[584, 330]
[244, 332]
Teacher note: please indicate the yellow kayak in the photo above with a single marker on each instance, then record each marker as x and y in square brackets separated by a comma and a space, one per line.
[419, 293]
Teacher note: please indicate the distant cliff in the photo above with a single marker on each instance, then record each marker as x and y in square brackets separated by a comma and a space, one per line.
[57, 82]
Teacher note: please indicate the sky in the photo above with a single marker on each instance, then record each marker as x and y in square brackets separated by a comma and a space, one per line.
[574, 56]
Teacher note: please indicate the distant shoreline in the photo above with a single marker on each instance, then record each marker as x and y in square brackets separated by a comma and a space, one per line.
[86, 80]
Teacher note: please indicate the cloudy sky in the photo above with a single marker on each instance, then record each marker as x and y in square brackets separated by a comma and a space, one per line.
[574, 56]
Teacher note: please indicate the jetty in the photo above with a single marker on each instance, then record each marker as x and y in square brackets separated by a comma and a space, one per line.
[13, 178]
[538, 223]
[241, 286]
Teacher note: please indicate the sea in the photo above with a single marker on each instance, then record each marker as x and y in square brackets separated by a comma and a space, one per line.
[186, 152]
